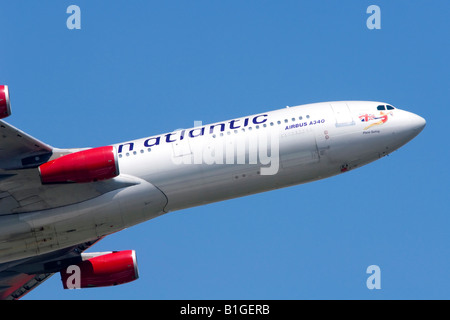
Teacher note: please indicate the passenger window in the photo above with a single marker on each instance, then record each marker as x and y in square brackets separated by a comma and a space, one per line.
[382, 107]
[390, 107]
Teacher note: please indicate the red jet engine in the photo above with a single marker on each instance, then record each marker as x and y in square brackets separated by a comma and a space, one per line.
[5, 105]
[82, 166]
[102, 271]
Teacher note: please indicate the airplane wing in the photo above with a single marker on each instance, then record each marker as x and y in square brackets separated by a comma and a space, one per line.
[17, 278]
[19, 150]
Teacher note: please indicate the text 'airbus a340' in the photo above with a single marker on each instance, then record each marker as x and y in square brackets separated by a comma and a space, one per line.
[56, 203]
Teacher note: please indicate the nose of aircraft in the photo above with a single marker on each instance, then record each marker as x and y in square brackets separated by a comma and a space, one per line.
[417, 123]
[411, 126]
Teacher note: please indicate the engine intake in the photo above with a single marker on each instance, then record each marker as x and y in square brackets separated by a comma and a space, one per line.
[82, 166]
[5, 105]
[102, 271]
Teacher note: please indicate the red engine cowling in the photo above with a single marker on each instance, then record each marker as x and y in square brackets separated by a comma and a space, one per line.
[5, 105]
[82, 166]
[102, 271]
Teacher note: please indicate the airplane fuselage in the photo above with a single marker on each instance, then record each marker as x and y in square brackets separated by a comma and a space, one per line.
[215, 162]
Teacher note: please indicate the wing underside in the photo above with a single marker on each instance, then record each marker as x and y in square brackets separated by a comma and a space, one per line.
[17, 278]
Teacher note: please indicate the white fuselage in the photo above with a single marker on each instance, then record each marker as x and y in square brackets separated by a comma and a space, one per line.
[209, 163]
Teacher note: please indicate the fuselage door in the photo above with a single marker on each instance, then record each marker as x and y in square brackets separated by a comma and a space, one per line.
[342, 114]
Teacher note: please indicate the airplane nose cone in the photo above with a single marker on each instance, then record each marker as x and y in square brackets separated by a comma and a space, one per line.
[405, 127]
[417, 123]
[412, 126]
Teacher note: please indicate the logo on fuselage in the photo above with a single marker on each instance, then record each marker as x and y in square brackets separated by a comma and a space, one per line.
[383, 117]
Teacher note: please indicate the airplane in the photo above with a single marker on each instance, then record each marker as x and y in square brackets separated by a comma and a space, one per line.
[57, 203]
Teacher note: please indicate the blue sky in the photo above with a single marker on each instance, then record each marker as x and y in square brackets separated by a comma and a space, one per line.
[141, 68]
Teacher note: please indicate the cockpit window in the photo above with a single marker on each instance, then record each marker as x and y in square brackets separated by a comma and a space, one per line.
[381, 107]
[390, 107]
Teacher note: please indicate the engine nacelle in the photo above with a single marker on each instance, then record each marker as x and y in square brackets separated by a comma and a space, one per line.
[102, 271]
[82, 166]
[5, 105]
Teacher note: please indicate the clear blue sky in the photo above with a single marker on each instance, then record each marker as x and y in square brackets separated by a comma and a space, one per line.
[141, 68]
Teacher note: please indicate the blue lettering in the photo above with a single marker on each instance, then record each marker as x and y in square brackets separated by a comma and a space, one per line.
[147, 142]
[191, 133]
[200, 131]
[222, 127]
[255, 121]
[232, 124]
[131, 145]
[168, 137]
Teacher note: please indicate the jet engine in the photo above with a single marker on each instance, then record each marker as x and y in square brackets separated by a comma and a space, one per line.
[82, 166]
[5, 105]
[101, 270]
